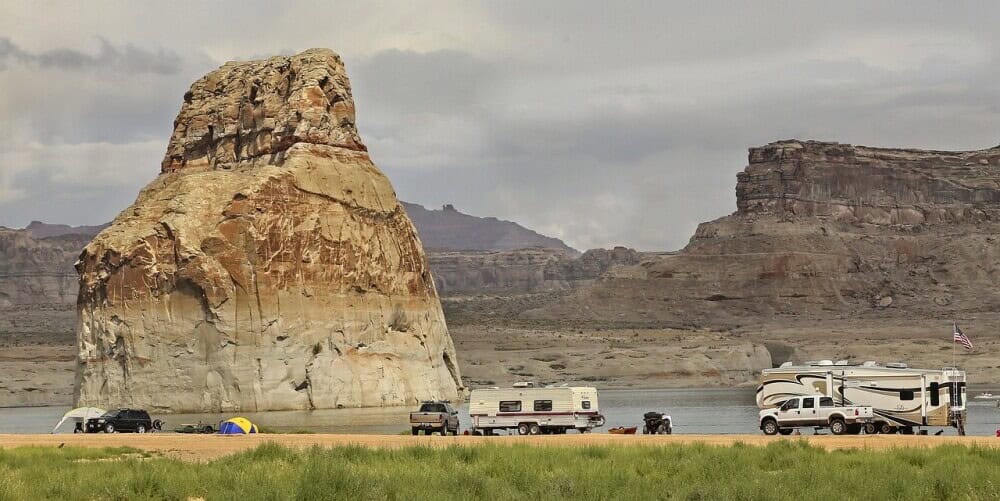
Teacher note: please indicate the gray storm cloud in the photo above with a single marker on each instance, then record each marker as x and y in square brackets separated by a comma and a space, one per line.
[125, 58]
[599, 123]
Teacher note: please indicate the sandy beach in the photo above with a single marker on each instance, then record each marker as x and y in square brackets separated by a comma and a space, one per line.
[207, 447]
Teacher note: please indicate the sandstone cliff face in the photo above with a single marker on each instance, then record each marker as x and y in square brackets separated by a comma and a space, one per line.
[268, 267]
[826, 230]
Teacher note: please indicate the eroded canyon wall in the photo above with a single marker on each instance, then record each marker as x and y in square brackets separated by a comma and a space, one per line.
[826, 230]
[268, 267]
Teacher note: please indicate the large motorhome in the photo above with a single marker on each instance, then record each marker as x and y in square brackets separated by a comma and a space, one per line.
[533, 411]
[902, 398]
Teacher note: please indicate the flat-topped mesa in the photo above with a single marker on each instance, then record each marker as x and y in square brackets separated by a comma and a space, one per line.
[859, 184]
[245, 110]
[268, 267]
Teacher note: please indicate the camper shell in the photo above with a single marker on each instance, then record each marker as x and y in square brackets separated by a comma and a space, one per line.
[901, 397]
[531, 410]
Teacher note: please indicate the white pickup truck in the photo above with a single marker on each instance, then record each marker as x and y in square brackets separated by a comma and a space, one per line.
[814, 411]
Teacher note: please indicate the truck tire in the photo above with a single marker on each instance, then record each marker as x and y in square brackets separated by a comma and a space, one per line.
[415, 430]
[522, 429]
[785, 431]
[140, 429]
[661, 430]
[109, 428]
[769, 427]
[838, 426]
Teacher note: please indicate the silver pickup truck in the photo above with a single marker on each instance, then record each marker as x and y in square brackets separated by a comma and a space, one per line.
[816, 411]
[435, 417]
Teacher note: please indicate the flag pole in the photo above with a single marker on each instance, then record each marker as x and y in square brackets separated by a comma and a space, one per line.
[954, 329]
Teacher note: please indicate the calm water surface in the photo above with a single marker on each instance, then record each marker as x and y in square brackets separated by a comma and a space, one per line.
[714, 410]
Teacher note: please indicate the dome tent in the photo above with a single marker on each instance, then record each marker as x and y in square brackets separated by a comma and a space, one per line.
[237, 426]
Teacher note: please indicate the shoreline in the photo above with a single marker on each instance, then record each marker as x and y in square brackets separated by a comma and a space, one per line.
[200, 448]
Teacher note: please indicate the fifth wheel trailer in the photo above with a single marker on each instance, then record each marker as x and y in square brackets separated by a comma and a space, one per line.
[902, 397]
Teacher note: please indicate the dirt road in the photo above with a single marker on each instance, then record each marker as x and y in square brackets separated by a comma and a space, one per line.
[206, 447]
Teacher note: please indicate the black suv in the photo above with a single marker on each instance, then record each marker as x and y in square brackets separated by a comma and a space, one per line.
[121, 420]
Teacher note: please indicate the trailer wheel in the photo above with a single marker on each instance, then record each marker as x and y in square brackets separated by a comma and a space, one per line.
[770, 427]
[886, 428]
[837, 426]
[534, 429]
[870, 429]
[522, 429]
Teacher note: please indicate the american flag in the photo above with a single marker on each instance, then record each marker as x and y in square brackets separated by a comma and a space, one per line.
[961, 338]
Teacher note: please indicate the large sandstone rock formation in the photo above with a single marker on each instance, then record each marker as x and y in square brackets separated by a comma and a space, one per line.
[269, 266]
[825, 230]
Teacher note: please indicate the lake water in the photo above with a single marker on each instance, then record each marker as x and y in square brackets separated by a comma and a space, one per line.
[713, 411]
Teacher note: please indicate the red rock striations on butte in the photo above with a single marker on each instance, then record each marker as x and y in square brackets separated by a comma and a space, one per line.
[825, 230]
[268, 267]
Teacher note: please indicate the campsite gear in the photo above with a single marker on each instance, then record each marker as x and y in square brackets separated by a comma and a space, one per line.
[621, 430]
[657, 423]
[237, 426]
[80, 415]
[194, 428]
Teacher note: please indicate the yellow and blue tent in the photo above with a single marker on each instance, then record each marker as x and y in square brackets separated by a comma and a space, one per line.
[237, 426]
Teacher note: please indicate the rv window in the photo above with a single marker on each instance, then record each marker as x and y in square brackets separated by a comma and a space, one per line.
[586, 404]
[543, 405]
[935, 393]
[906, 394]
[808, 403]
[510, 406]
[826, 401]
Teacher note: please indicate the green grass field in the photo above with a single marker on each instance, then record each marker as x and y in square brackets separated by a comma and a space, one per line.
[783, 470]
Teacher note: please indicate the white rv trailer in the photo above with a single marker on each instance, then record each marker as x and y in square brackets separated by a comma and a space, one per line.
[533, 411]
[901, 397]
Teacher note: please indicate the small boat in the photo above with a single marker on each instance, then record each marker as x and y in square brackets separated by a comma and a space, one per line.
[622, 430]
[986, 396]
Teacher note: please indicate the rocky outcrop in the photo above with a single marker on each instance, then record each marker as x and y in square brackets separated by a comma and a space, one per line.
[37, 271]
[450, 230]
[269, 266]
[825, 230]
[523, 270]
[39, 229]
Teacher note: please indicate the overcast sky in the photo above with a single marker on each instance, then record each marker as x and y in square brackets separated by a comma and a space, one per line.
[598, 122]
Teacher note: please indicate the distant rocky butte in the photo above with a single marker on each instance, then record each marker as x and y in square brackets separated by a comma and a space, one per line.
[449, 229]
[268, 267]
[523, 270]
[39, 229]
[35, 271]
[825, 230]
